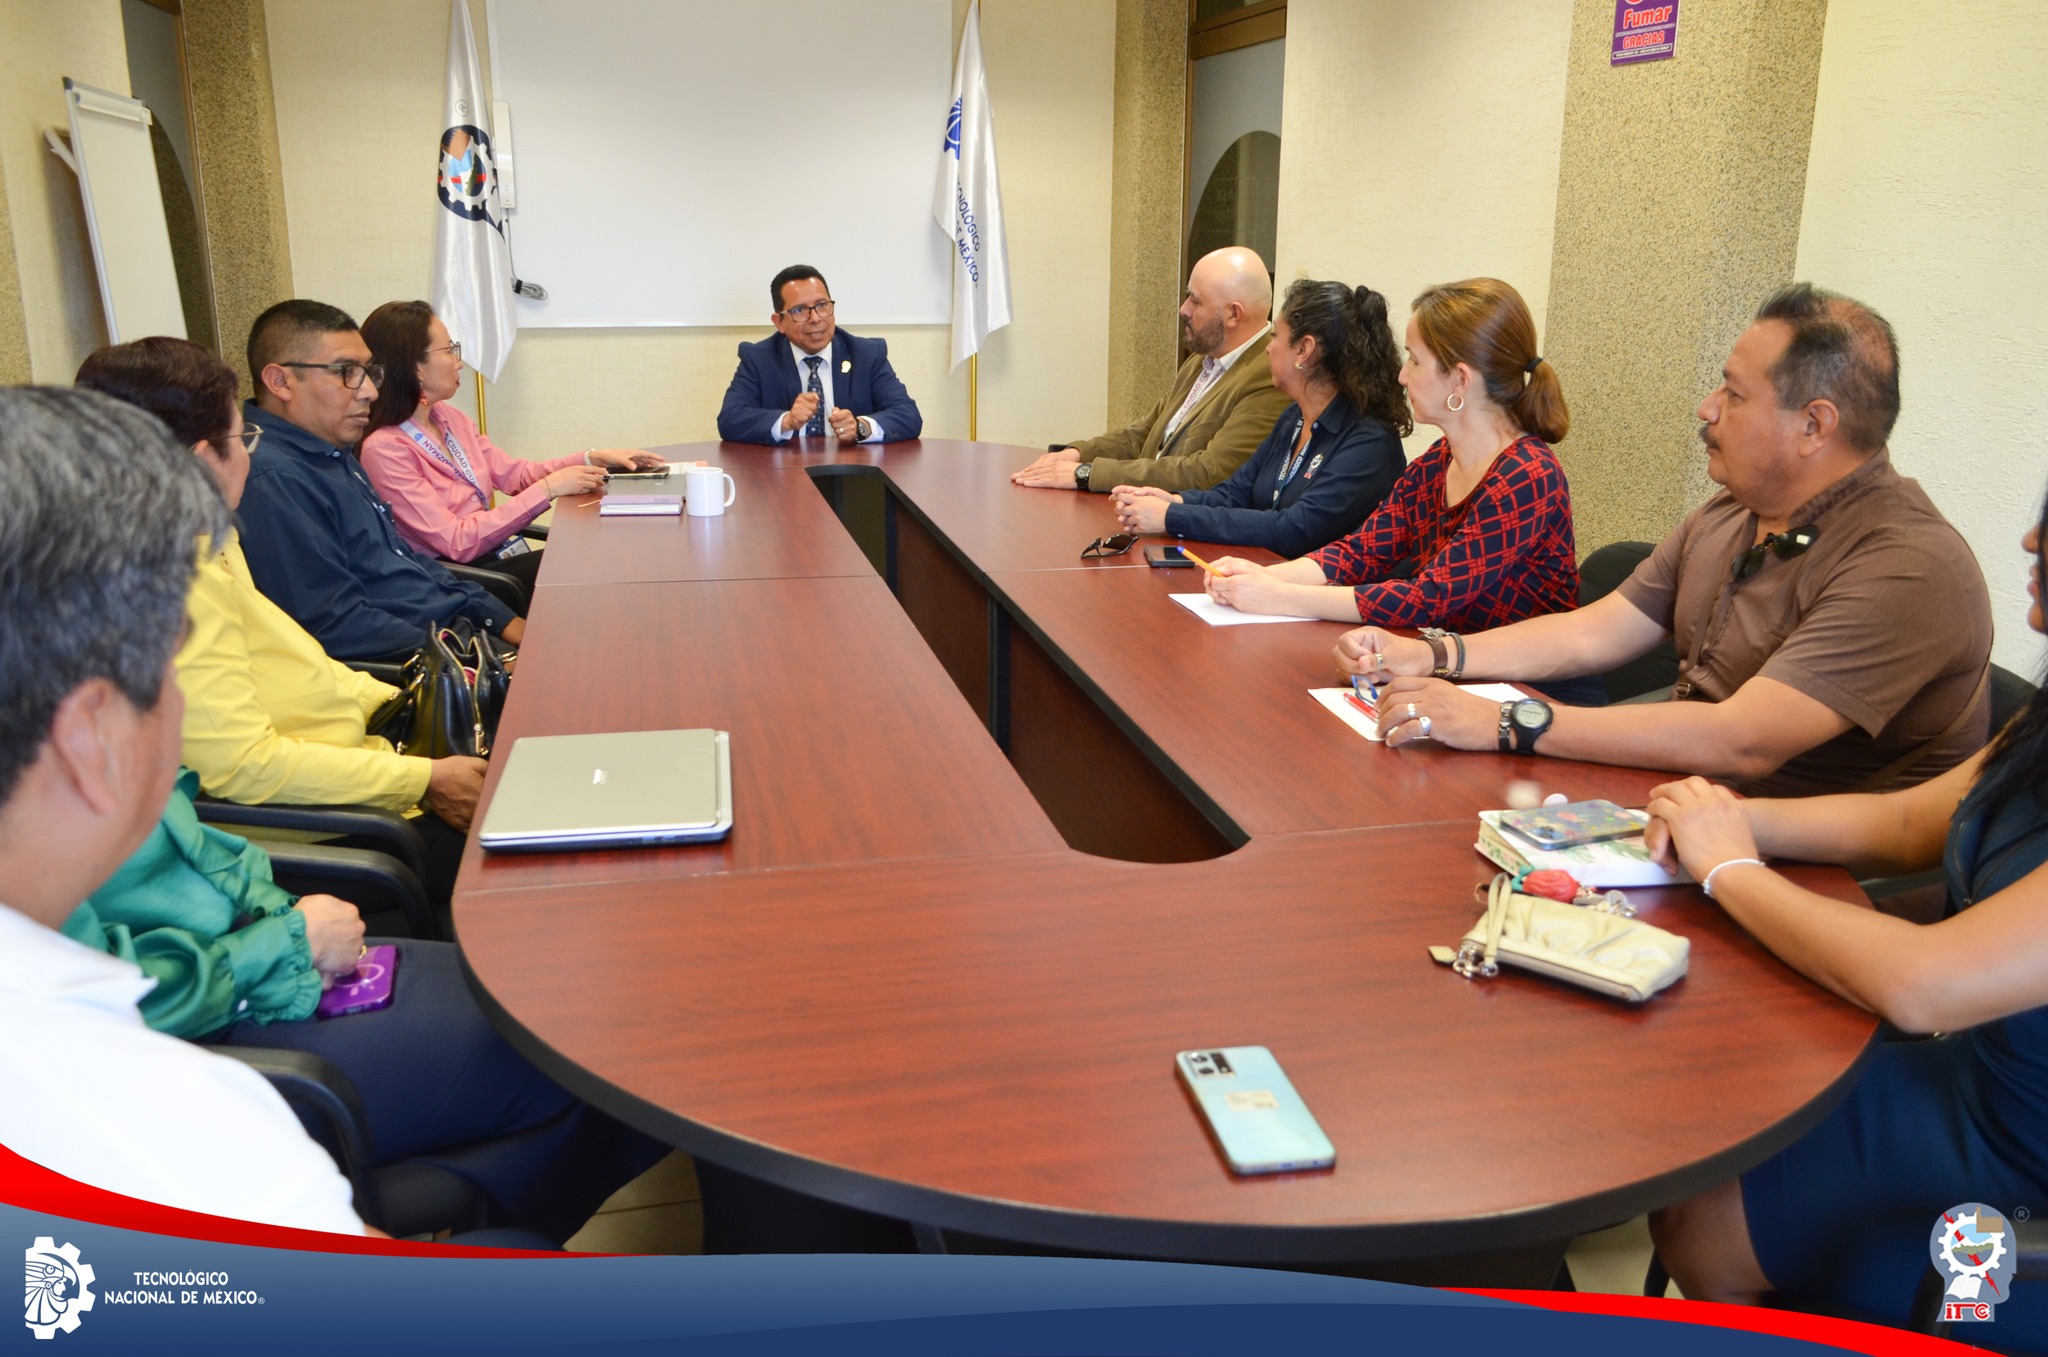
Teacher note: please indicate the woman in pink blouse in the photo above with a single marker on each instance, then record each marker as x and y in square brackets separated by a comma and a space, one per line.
[438, 473]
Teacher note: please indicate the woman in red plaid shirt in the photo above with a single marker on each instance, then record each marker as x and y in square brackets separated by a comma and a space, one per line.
[1478, 531]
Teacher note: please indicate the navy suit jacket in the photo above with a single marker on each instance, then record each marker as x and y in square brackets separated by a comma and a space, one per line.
[765, 385]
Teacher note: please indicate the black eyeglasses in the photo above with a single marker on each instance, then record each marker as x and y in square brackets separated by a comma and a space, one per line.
[1109, 546]
[800, 314]
[351, 374]
[1783, 545]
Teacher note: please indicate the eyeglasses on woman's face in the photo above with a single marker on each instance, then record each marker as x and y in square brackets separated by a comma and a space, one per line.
[453, 348]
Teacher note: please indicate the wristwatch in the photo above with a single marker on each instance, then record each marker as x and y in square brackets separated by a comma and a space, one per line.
[1522, 723]
[1436, 636]
[1082, 471]
[861, 428]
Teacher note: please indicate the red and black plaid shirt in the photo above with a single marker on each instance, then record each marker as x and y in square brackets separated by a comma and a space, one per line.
[1504, 554]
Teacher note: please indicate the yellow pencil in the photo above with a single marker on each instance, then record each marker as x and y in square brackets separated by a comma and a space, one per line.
[1199, 561]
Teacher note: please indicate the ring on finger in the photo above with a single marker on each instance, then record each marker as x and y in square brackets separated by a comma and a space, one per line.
[1411, 711]
[1425, 727]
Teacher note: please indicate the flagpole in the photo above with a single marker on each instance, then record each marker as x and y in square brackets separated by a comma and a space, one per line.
[973, 398]
[483, 417]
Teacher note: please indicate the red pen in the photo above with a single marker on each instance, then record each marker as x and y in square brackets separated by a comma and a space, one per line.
[1355, 700]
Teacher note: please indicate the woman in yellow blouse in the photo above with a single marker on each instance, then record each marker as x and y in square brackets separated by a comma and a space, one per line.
[268, 716]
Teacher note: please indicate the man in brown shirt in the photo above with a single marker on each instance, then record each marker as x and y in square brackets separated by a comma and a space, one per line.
[1833, 630]
[1222, 405]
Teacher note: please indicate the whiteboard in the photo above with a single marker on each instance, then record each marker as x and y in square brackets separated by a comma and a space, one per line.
[124, 214]
[673, 155]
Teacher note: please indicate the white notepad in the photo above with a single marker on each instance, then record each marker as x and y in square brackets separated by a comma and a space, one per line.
[1219, 615]
[1337, 701]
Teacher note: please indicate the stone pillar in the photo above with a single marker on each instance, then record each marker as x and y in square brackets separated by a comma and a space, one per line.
[14, 366]
[1678, 204]
[241, 169]
[1147, 170]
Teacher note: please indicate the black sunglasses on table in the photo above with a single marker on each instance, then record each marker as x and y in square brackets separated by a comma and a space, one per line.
[1115, 545]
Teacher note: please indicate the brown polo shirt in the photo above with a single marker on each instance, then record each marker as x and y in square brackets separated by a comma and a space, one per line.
[1885, 619]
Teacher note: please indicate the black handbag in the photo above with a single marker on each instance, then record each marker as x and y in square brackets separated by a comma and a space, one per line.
[452, 694]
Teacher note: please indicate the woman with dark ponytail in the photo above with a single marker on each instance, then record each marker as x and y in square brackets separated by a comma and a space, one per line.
[1335, 451]
[1840, 1220]
[1484, 518]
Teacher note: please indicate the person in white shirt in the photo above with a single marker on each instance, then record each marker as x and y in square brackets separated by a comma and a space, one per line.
[98, 514]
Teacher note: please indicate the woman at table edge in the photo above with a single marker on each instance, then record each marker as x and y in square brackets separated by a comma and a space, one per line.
[1485, 515]
[1332, 455]
[437, 471]
[1844, 1215]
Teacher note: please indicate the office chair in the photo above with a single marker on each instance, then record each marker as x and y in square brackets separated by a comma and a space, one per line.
[404, 1199]
[384, 890]
[513, 593]
[1600, 574]
[2009, 693]
[282, 829]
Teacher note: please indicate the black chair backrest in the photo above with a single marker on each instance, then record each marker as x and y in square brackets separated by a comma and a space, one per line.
[2009, 693]
[1600, 574]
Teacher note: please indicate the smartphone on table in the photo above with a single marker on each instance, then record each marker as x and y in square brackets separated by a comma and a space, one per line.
[1259, 1121]
[1570, 825]
[1168, 558]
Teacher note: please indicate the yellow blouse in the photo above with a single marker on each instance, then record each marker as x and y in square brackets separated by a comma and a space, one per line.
[268, 716]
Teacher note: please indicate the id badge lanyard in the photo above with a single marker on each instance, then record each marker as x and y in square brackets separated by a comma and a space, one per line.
[1293, 464]
[454, 458]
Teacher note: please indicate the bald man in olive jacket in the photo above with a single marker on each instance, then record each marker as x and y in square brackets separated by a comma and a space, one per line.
[1191, 443]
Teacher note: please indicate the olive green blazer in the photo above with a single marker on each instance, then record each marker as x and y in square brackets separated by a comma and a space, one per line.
[1219, 435]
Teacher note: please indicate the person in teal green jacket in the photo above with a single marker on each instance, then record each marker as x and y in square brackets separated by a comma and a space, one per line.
[173, 910]
[240, 961]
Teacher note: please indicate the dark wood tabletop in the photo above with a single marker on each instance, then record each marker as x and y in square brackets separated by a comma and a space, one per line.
[1228, 711]
[897, 987]
[776, 528]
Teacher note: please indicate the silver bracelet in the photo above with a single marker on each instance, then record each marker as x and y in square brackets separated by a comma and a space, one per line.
[1707, 881]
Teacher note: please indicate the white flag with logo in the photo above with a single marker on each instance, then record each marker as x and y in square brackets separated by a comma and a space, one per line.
[472, 261]
[969, 203]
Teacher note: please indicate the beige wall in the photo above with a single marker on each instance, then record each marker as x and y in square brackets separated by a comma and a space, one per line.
[359, 91]
[40, 44]
[1926, 198]
[1407, 159]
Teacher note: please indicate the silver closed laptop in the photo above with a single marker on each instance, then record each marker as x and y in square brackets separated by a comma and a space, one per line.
[611, 791]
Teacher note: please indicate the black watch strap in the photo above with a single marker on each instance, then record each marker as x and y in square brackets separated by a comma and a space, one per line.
[1507, 727]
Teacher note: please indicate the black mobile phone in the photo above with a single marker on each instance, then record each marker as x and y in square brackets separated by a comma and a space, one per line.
[1168, 558]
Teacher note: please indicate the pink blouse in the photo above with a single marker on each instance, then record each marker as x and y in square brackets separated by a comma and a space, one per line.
[435, 507]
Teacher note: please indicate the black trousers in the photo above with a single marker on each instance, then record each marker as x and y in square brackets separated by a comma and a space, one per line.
[444, 856]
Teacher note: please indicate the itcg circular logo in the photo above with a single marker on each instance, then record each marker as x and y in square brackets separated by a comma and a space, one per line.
[1969, 1244]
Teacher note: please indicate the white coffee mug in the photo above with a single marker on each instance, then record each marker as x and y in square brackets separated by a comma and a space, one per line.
[701, 489]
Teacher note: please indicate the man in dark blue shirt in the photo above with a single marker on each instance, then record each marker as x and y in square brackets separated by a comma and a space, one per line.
[319, 541]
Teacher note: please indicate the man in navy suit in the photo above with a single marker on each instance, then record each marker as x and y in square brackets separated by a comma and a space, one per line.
[810, 379]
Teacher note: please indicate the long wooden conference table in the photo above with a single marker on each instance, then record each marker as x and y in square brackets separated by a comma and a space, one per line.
[1011, 829]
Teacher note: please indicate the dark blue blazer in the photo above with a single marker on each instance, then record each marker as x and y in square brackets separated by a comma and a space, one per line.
[765, 385]
[1351, 463]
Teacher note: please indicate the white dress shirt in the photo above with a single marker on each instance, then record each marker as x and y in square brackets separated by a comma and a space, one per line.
[93, 1094]
[825, 403]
